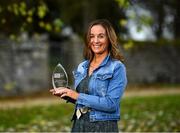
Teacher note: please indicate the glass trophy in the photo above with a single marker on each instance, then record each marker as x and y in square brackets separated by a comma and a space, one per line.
[59, 77]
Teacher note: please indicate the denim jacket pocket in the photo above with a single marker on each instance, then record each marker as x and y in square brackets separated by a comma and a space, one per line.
[102, 82]
[104, 76]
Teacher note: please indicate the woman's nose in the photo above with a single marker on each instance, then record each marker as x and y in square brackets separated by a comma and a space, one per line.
[96, 39]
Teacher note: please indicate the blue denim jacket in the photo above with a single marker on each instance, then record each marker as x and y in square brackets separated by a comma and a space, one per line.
[106, 87]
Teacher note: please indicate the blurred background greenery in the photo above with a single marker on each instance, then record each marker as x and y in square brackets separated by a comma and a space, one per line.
[36, 35]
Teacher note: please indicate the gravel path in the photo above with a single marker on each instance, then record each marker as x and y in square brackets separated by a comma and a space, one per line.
[49, 100]
[28, 102]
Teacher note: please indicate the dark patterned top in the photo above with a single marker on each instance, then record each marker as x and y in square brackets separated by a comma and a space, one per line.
[83, 86]
[83, 124]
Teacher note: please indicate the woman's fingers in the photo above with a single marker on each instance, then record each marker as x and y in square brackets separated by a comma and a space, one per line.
[51, 90]
[63, 95]
[62, 92]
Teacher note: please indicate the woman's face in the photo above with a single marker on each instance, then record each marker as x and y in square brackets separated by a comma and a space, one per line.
[98, 40]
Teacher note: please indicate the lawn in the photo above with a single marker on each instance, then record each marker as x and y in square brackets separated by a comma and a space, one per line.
[152, 114]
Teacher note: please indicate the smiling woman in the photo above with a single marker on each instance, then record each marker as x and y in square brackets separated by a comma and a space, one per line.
[106, 33]
[99, 82]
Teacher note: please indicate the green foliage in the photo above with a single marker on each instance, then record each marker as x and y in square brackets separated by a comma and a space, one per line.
[31, 16]
[140, 18]
[9, 86]
[46, 16]
[157, 14]
[135, 45]
[141, 114]
[123, 3]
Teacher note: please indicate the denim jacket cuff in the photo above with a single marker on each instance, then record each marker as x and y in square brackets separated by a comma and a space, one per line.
[82, 99]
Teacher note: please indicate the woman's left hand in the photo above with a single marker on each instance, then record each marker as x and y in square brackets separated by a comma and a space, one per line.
[63, 92]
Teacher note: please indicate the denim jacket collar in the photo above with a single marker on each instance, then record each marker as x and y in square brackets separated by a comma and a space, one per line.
[105, 60]
[86, 64]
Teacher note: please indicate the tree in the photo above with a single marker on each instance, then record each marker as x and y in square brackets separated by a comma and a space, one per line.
[30, 16]
[165, 14]
[79, 14]
[49, 16]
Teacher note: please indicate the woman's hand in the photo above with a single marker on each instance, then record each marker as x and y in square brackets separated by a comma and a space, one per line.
[63, 92]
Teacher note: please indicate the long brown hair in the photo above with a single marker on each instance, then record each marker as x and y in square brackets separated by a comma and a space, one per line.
[112, 37]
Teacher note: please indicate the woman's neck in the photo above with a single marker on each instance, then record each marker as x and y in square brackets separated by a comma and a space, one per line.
[98, 58]
[96, 61]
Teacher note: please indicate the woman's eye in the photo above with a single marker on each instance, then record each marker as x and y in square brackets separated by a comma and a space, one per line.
[101, 36]
[91, 36]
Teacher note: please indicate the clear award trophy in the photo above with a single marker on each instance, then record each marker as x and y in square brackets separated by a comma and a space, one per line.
[59, 77]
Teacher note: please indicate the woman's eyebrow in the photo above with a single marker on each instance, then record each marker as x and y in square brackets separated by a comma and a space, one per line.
[101, 34]
[98, 34]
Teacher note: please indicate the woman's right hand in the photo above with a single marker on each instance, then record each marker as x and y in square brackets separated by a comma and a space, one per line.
[65, 93]
[55, 92]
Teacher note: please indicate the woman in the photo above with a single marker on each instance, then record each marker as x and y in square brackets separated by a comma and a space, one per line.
[99, 82]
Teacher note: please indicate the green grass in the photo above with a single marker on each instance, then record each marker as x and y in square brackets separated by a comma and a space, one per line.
[38, 118]
[152, 114]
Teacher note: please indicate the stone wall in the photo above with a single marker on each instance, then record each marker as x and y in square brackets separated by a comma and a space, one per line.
[23, 67]
[146, 64]
[153, 64]
[68, 52]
